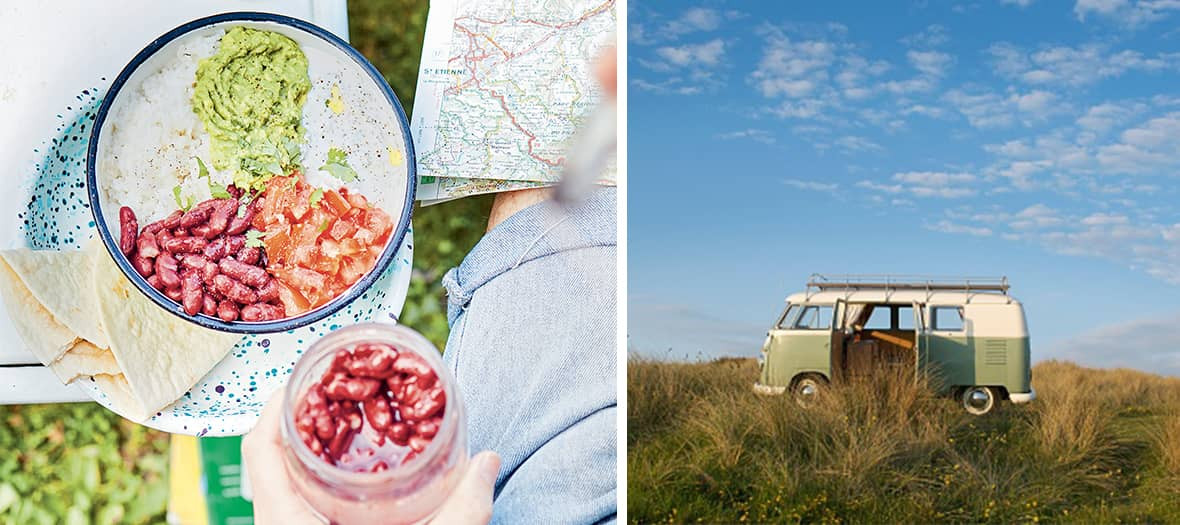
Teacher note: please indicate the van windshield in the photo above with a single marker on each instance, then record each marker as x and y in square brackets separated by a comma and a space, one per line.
[790, 315]
[815, 317]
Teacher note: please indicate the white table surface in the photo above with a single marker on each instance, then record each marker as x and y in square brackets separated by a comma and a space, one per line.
[53, 49]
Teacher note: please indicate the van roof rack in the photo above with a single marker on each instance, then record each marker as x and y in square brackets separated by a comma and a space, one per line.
[928, 283]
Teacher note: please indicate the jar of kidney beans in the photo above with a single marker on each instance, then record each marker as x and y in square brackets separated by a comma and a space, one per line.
[374, 426]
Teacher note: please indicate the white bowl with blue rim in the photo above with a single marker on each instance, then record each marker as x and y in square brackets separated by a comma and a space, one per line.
[228, 399]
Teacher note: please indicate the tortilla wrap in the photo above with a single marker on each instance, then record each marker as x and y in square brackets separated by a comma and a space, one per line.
[43, 335]
[59, 281]
[84, 359]
[161, 355]
[119, 394]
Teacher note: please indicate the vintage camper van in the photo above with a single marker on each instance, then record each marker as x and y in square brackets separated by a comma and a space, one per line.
[968, 333]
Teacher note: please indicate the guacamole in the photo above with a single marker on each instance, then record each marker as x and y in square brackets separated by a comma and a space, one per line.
[250, 97]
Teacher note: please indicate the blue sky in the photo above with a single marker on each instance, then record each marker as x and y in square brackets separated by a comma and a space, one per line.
[1028, 138]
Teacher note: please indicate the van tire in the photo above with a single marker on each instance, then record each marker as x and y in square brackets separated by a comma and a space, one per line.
[979, 400]
[806, 388]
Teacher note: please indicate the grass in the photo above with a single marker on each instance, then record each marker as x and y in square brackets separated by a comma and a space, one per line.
[1097, 446]
[79, 463]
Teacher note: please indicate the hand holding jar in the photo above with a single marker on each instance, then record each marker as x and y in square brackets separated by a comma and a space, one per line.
[370, 425]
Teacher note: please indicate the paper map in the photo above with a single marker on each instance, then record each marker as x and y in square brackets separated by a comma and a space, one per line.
[502, 87]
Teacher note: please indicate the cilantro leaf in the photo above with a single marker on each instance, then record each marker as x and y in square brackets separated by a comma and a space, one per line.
[254, 238]
[203, 171]
[338, 167]
[184, 205]
[216, 191]
[322, 227]
[316, 196]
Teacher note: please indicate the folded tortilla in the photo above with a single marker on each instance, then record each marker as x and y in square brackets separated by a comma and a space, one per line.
[161, 355]
[84, 359]
[44, 335]
[59, 281]
[147, 358]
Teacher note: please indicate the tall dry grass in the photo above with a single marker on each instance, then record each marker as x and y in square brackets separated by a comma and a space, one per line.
[702, 446]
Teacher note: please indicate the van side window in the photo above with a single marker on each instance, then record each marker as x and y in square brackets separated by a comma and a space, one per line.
[789, 317]
[905, 318]
[879, 319]
[815, 318]
[947, 318]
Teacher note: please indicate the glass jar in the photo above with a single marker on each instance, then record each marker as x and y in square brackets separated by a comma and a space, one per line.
[410, 491]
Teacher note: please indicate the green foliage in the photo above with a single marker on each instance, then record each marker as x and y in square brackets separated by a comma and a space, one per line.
[1096, 447]
[80, 463]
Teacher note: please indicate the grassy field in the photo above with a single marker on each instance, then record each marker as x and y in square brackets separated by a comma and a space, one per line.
[1097, 446]
[80, 463]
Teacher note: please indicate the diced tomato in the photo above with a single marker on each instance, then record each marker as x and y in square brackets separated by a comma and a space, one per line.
[351, 270]
[278, 245]
[341, 229]
[356, 200]
[350, 246]
[378, 221]
[337, 203]
[293, 302]
[365, 236]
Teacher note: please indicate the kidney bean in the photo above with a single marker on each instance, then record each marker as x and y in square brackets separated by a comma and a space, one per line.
[426, 407]
[227, 311]
[234, 290]
[377, 363]
[210, 306]
[193, 299]
[195, 262]
[269, 292]
[379, 466]
[304, 422]
[195, 216]
[185, 245]
[154, 281]
[341, 440]
[219, 217]
[418, 443]
[428, 428]
[408, 363]
[162, 236]
[166, 269]
[146, 245]
[174, 294]
[315, 399]
[251, 275]
[352, 389]
[143, 266]
[316, 447]
[325, 428]
[262, 312]
[238, 224]
[208, 273]
[128, 229]
[234, 243]
[180, 232]
[172, 220]
[378, 412]
[215, 249]
[202, 231]
[338, 361]
[249, 255]
[399, 433]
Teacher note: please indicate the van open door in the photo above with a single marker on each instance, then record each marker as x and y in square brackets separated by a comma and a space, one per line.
[838, 338]
[920, 346]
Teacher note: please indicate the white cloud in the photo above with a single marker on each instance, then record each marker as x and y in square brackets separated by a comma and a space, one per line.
[926, 184]
[1149, 345]
[1131, 14]
[1020, 3]
[986, 109]
[852, 143]
[1152, 147]
[793, 68]
[1072, 66]
[673, 85]
[946, 226]
[932, 63]
[1104, 116]
[758, 135]
[706, 54]
[933, 36]
[808, 185]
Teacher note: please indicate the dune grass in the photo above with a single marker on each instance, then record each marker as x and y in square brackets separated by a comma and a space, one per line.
[1097, 446]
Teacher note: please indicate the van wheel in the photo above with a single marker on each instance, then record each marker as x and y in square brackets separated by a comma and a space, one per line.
[807, 388]
[978, 400]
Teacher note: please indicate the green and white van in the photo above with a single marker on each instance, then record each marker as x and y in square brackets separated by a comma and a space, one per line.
[968, 333]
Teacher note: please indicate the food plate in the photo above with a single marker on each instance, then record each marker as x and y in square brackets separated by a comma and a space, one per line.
[227, 400]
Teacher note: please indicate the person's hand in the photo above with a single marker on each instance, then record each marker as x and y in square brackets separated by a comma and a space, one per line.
[275, 500]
